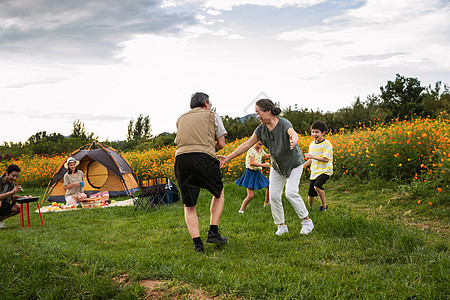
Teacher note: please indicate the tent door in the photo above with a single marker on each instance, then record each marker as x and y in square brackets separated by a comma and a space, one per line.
[96, 174]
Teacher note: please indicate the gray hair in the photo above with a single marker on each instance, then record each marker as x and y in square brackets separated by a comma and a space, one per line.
[198, 100]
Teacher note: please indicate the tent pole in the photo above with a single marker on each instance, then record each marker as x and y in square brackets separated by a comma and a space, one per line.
[128, 190]
[46, 190]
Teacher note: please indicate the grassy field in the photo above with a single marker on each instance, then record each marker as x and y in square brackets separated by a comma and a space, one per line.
[373, 243]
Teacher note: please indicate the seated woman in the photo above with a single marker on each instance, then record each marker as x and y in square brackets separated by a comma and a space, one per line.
[73, 182]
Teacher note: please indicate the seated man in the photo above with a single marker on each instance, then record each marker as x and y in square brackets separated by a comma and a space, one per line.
[8, 197]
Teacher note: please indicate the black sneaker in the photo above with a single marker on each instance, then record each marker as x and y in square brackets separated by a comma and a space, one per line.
[216, 238]
[198, 247]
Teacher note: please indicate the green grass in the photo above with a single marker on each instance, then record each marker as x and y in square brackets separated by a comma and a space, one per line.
[367, 246]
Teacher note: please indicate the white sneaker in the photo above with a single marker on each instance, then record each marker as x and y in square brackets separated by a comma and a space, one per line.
[2, 225]
[307, 227]
[282, 229]
[241, 211]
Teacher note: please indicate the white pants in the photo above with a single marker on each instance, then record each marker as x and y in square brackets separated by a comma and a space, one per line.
[277, 182]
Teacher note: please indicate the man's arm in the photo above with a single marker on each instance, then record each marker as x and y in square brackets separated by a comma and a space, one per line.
[16, 189]
[220, 142]
[12, 193]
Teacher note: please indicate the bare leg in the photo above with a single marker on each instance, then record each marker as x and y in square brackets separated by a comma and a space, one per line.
[217, 208]
[321, 194]
[267, 200]
[310, 201]
[250, 194]
[190, 215]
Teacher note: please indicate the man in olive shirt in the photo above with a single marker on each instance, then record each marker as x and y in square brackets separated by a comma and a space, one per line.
[200, 133]
[8, 197]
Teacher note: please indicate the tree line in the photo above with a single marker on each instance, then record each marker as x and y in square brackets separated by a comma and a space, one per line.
[402, 98]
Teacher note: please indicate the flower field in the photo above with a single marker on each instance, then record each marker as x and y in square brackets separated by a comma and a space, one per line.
[416, 150]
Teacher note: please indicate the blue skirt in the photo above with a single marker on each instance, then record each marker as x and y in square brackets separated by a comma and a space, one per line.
[254, 180]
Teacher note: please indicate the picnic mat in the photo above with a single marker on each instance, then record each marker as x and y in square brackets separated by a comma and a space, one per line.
[45, 209]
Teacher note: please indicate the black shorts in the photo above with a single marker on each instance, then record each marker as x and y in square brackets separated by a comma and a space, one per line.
[195, 171]
[319, 182]
[6, 211]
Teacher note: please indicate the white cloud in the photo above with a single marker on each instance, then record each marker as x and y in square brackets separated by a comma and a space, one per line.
[213, 12]
[229, 4]
[225, 33]
[215, 6]
[383, 10]
[235, 37]
[379, 33]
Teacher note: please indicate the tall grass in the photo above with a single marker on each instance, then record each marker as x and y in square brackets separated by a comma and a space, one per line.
[355, 251]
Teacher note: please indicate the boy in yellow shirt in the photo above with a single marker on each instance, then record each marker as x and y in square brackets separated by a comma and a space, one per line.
[320, 158]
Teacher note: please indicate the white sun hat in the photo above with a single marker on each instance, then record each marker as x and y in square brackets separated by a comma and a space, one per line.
[69, 160]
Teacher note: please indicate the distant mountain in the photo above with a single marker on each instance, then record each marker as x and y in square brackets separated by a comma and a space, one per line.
[165, 133]
[249, 116]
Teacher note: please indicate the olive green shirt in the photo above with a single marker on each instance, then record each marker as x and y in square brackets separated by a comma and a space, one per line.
[4, 188]
[282, 158]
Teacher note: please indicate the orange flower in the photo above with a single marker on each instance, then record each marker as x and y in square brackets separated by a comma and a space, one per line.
[439, 189]
[430, 203]
[418, 201]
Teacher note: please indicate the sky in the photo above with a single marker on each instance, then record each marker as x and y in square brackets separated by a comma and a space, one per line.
[104, 63]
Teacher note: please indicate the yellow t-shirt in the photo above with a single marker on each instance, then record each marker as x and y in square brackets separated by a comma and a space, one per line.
[323, 149]
[256, 156]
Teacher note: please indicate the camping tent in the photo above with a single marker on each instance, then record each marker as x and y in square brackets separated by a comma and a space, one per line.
[104, 170]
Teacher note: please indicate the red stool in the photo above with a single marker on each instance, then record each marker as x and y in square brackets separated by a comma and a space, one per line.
[27, 202]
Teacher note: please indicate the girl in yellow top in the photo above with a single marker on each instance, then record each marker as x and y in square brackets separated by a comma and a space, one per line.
[320, 157]
[252, 178]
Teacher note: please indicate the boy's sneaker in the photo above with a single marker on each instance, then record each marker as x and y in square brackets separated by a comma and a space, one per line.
[282, 229]
[241, 211]
[307, 227]
[321, 208]
[266, 203]
[2, 225]
[198, 247]
[215, 237]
